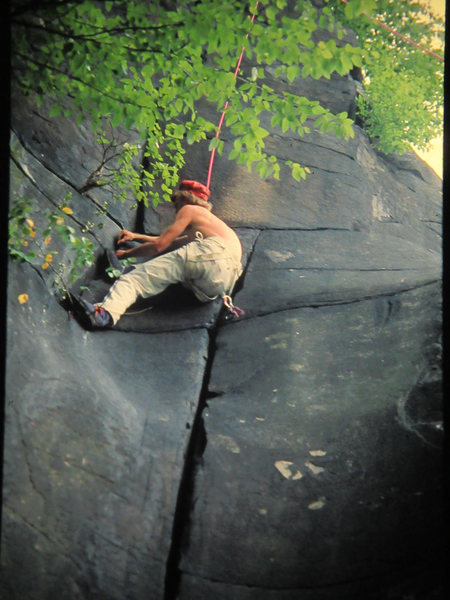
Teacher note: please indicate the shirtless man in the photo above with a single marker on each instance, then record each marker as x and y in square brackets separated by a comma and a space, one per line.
[207, 258]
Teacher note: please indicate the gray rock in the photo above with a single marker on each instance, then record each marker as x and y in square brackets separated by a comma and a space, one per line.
[350, 187]
[96, 430]
[315, 473]
[304, 268]
[71, 153]
[428, 585]
[31, 179]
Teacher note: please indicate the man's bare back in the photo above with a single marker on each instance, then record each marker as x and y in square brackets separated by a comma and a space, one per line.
[209, 225]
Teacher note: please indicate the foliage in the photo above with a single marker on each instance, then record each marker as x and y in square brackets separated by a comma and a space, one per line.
[147, 66]
[403, 86]
[36, 245]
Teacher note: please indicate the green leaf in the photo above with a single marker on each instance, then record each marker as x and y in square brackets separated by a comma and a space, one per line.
[55, 110]
[292, 72]
[214, 143]
[271, 13]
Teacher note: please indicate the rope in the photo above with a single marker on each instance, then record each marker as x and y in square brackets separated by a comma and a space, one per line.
[401, 36]
[222, 117]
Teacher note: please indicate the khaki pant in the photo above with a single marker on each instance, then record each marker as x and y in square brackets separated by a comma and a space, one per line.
[205, 266]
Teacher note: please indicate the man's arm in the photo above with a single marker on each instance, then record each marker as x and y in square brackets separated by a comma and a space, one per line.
[183, 219]
[129, 236]
[148, 248]
[145, 249]
[153, 245]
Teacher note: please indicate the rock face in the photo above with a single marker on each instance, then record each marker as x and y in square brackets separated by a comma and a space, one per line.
[294, 454]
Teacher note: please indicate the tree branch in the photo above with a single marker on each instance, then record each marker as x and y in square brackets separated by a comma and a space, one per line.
[87, 37]
[70, 76]
[35, 5]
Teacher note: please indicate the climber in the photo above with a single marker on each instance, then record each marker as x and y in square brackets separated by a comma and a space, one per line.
[206, 258]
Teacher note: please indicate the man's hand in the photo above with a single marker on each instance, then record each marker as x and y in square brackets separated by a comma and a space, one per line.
[121, 253]
[125, 236]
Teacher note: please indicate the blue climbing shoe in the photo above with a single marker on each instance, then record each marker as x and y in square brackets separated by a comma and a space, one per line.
[98, 316]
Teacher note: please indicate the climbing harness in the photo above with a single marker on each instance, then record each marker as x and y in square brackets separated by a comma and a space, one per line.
[226, 298]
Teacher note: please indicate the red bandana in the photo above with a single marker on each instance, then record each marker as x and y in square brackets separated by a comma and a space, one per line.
[196, 188]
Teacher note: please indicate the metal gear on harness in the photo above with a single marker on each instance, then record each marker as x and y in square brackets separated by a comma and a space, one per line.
[231, 308]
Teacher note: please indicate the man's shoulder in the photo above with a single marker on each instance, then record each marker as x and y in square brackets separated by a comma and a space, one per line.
[187, 208]
[185, 211]
[192, 210]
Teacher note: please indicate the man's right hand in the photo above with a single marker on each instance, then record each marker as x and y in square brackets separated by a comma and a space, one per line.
[125, 236]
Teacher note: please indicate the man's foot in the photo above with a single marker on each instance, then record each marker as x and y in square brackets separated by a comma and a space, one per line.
[98, 316]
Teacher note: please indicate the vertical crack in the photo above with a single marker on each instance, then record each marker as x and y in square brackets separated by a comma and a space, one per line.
[240, 282]
[185, 500]
[141, 208]
[192, 460]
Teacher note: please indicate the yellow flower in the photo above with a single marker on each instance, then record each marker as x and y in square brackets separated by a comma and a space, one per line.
[47, 240]
[25, 243]
[32, 233]
[45, 265]
[22, 298]
[48, 258]
[67, 210]
[30, 222]
[60, 220]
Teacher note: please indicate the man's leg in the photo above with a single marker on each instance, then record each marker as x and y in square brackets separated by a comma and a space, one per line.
[144, 280]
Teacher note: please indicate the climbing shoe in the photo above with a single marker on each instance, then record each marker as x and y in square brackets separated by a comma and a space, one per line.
[98, 316]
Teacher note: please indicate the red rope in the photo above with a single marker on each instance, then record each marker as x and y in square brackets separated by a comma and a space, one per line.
[222, 117]
[403, 37]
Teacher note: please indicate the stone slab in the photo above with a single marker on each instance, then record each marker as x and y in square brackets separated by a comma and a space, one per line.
[97, 425]
[351, 187]
[317, 469]
[243, 201]
[304, 268]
